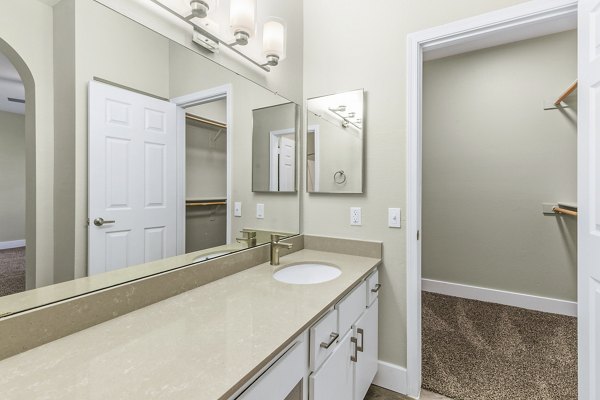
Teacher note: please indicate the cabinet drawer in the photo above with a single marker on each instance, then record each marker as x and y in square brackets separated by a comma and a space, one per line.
[323, 338]
[372, 287]
[351, 307]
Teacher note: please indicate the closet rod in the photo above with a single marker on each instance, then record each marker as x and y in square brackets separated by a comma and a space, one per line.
[566, 93]
[560, 210]
[204, 203]
[205, 121]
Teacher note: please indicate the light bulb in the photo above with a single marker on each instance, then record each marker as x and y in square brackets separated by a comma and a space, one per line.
[242, 18]
[274, 41]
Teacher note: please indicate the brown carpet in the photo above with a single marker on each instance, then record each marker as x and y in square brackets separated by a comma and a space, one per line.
[12, 271]
[474, 350]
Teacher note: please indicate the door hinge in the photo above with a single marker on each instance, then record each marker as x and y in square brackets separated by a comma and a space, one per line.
[418, 234]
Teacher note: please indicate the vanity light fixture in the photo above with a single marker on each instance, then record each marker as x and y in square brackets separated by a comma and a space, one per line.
[242, 22]
[348, 118]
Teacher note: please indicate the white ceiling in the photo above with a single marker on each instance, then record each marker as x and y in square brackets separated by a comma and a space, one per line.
[10, 86]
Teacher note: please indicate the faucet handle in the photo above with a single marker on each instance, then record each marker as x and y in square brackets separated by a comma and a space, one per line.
[275, 238]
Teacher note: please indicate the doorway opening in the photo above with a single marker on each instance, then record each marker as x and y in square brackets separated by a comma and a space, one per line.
[206, 176]
[12, 179]
[522, 22]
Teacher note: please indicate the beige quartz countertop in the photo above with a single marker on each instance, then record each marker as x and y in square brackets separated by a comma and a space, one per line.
[202, 344]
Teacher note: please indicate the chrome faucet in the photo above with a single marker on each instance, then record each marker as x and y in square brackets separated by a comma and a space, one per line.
[275, 246]
[248, 237]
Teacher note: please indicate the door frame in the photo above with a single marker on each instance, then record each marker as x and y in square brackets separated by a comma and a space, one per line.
[317, 180]
[274, 137]
[183, 102]
[524, 21]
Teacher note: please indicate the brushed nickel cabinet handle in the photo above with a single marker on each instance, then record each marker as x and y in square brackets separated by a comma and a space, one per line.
[361, 332]
[102, 221]
[332, 338]
[376, 289]
[355, 356]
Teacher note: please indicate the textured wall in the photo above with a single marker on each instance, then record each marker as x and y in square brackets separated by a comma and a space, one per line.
[12, 178]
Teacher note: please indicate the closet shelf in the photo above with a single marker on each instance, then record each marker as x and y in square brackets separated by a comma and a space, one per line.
[566, 93]
[205, 121]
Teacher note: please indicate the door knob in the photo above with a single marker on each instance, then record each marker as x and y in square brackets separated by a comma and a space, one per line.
[102, 221]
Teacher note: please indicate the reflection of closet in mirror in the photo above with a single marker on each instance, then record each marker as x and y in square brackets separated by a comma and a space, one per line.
[12, 183]
[206, 176]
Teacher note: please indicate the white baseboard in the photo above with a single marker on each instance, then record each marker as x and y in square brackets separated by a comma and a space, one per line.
[12, 244]
[391, 377]
[537, 303]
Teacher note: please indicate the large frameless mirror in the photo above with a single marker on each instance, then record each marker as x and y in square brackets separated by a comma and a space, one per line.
[132, 171]
[334, 143]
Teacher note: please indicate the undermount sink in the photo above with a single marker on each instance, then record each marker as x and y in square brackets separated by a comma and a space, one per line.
[209, 256]
[306, 273]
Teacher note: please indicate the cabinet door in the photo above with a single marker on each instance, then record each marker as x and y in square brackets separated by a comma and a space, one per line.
[334, 380]
[282, 377]
[366, 331]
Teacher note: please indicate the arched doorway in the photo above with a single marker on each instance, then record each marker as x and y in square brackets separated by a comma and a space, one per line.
[20, 81]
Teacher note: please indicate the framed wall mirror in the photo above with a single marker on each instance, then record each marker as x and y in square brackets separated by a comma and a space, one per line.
[135, 168]
[334, 143]
[274, 138]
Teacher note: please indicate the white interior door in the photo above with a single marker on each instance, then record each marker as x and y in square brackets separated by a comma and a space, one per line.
[132, 178]
[589, 199]
[287, 164]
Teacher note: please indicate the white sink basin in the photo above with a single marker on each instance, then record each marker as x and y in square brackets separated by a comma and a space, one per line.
[210, 255]
[306, 273]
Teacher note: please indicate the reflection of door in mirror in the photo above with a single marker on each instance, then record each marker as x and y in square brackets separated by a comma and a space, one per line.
[12, 179]
[206, 176]
[133, 175]
[283, 162]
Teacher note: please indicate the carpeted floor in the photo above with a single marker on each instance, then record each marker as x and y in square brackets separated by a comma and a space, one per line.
[474, 350]
[379, 393]
[12, 271]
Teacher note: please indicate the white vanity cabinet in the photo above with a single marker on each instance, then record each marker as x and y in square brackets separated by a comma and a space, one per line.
[350, 369]
[337, 356]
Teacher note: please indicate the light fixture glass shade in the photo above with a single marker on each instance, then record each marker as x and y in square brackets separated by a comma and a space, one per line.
[274, 40]
[201, 8]
[242, 18]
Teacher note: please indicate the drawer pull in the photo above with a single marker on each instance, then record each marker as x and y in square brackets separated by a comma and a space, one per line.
[355, 356]
[361, 332]
[376, 289]
[332, 338]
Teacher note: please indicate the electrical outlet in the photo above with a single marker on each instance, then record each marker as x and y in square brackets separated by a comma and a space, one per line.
[260, 211]
[355, 216]
[237, 209]
[394, 217]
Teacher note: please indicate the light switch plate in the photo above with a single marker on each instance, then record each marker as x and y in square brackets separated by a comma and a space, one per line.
[237, 209]
[355, 216]
[260, 211]
[394, 217]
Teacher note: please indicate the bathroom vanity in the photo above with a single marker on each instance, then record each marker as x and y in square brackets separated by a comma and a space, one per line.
[245, 336]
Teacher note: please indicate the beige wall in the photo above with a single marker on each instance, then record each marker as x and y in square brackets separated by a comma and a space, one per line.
[491, 157]
[350, 44]
[12, 178]
[29, 46]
